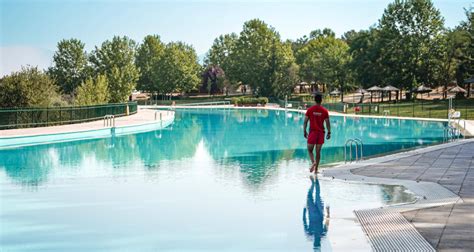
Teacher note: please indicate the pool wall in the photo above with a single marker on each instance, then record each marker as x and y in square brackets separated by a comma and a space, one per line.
[18, 141]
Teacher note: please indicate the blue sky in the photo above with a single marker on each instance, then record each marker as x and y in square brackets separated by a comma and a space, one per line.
[30, 30]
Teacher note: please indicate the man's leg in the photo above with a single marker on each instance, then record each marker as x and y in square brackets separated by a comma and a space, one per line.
[311, 156]
[318, 157]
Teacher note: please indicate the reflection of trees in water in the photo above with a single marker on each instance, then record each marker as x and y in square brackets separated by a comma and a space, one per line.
[255, 140]
[27, 167]
[31, 165]
[251, 139]
[396, 194]
[178, 143]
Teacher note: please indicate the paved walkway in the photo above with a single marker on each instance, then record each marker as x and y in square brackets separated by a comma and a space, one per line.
[449, 227]
[141, 117]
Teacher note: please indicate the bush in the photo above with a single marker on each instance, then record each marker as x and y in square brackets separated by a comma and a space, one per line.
[28, 87]
[241, 101]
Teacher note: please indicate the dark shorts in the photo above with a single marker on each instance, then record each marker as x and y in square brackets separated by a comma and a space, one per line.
[316, 137]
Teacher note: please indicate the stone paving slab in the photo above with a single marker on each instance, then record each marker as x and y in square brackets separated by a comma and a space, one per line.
[448, 227]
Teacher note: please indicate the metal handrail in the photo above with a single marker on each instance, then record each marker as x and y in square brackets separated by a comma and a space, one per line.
[205, 103]
[358, 144]
[451, 133]
[109, 121]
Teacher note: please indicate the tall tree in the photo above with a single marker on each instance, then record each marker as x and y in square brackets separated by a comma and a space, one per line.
[149, 54]
[465, 68]
[28, 87]
[69, 65]
[259, 57]
[179, 69]
[365, 49]
[325, 59]
[116, 59]
[93, 91]
[407, 31]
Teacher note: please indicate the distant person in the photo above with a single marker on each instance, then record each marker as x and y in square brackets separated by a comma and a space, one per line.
[315, 221]
[316, 115]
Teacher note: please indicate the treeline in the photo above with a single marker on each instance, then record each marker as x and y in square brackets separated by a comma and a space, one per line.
[409, 46]
[108, 74]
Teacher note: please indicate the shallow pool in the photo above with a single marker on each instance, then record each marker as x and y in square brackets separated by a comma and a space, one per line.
[217, 179]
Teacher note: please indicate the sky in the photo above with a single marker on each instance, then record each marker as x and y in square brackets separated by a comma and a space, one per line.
[31, 29]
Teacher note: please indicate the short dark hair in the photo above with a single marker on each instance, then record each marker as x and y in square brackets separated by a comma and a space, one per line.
[318, 98]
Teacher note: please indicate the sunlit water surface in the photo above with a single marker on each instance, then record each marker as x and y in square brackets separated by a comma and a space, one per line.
[217, 179]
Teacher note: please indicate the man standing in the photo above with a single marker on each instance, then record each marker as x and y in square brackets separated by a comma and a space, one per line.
[316, 115]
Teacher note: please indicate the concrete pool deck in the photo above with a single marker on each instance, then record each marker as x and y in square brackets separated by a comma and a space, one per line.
[448, 225]
[143, 116]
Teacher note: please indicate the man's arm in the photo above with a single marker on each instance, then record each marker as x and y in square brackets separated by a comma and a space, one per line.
[328, 128]
[305, 125]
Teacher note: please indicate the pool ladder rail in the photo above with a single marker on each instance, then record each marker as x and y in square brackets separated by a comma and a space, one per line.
[358, 146]
[451, 133]
[109, 121]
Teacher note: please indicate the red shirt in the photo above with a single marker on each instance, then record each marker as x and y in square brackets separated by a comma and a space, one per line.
[317, 114]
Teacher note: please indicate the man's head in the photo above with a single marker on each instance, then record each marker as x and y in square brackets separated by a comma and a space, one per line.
[318, 98]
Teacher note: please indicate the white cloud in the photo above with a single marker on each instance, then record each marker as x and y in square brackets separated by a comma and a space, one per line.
[12, 58]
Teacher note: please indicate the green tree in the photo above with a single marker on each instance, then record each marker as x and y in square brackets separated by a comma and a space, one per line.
[116, 59]
[28, 87]
[218, 57]
[465, 67]
[325, 59]
[408, 30]
[259, 57]
[365, 49]
[219, 53]
[93, 91]
[178, 69]
[148, 57]
[69, 65]
[286, 80]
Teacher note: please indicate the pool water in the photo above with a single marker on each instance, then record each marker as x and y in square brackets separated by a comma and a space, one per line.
[216, 179]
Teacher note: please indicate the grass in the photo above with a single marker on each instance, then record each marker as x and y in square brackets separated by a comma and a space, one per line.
[426, 109]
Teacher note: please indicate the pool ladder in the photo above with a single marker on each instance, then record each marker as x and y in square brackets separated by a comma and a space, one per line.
[109, 121]
[451, 133]
[358, 146]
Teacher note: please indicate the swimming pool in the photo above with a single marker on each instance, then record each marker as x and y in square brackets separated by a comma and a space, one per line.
[216, 179]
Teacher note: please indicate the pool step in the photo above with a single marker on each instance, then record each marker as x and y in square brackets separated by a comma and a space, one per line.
[390, 231]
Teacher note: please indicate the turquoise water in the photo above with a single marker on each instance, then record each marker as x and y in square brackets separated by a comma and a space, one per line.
[216, 179]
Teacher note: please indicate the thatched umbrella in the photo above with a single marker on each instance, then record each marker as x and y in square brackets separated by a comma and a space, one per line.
[374, 89]
[422, 90]
[469, 82]
[459, 91]
[362, 92]
[391, 89]
[335, 92]
[302, 85]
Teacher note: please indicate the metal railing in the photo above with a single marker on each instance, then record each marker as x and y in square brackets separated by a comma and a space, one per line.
[11, 118]
[205, 103]
[358, 146]
[109, 121]
[451, 133]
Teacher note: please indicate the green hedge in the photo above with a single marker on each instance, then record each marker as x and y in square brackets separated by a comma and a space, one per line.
[239, 101]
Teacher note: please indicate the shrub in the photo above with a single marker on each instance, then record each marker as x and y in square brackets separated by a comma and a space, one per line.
[28, 87]
[240, 101]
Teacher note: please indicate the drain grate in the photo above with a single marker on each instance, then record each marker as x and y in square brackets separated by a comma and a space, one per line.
[390, 231]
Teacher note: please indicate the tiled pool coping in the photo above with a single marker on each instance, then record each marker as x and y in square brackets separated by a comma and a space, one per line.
[143, 121]
[386, 228]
